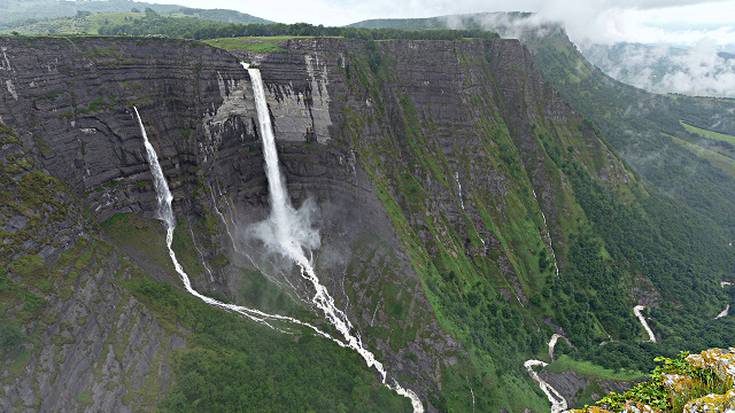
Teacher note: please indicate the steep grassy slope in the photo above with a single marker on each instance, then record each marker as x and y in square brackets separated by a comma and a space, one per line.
[691, 195]
[596, 214]
[685, 215]
[466, 189]
[638, 124]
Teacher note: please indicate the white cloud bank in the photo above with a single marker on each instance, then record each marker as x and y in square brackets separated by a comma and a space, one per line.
[700, 69]
[666, 21]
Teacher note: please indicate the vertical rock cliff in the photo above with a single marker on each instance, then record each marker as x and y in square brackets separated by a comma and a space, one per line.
[445, 176]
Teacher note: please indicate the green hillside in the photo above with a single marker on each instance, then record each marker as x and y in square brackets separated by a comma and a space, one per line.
[32, 16]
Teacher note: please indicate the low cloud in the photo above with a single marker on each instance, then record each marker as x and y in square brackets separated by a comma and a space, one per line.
[700, 69]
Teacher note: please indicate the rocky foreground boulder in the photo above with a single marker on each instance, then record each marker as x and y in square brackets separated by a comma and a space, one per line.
[693, 383]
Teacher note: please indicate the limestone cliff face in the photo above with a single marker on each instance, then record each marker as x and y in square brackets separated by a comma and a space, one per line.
[423, 157]
[76, 96]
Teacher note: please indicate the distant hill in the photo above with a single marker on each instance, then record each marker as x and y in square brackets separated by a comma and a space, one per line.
[19, 13]
[456, 21]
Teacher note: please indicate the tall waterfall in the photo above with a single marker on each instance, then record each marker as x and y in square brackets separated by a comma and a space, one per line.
[292, 236]
[166, 214]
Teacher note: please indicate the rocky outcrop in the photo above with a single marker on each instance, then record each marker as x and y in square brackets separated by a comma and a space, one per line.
[698, 383]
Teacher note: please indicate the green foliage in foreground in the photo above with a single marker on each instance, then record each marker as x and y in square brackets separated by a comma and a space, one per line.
[654, 393]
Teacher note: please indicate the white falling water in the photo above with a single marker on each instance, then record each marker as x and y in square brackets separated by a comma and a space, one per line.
[552, 344]
[166, 214]
[459, 189]
[236, 249]
[724, 313]
[224, 222]
[472, 393]
[637, 310]
[289, 232]
[201, 255]
[548, 236]
[558, 402]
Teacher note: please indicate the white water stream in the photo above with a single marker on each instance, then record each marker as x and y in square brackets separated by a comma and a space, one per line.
[637, 310]
[201, 255]
[724, 313]
[291, 235]
[552, 344]
[166, 214]
[548, 235]
[459, 189]
[558, 402]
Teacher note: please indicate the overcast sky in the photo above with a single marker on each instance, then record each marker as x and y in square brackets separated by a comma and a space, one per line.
[674, 21]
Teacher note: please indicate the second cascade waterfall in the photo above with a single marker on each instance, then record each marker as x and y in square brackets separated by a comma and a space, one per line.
[291, 236]
[166, 214]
